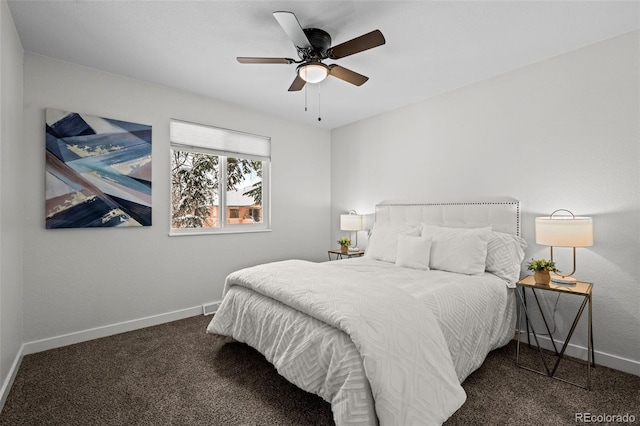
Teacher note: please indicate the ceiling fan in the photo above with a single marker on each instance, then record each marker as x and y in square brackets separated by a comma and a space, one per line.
[313, 46]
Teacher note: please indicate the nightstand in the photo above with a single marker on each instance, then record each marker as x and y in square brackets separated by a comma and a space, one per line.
[579, 289]
[340, 255]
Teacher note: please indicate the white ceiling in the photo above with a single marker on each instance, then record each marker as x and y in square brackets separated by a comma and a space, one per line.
[432, 46]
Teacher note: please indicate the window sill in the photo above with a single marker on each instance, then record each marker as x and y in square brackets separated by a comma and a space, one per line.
[217, 231]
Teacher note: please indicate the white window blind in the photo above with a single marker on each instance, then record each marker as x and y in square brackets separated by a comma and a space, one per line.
[226, 142]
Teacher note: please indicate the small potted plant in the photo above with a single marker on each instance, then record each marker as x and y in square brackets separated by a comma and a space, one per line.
[541, 270]
[344, 244]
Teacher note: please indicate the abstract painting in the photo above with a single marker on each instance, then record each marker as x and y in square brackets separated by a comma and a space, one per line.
[98, 171]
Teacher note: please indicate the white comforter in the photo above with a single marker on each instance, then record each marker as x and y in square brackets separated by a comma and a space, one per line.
[347, 332]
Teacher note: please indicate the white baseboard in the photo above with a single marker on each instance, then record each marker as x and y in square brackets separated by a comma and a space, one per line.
[601, 358]
[13, 371]
[108, 330]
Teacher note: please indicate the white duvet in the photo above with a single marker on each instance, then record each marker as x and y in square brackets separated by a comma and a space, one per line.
[379, 342]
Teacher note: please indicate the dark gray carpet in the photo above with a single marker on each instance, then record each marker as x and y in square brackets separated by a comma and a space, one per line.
[175, 374]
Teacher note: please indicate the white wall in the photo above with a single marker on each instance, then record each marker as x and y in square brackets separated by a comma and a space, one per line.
[80, 279]
[10, 199]
[562, 133]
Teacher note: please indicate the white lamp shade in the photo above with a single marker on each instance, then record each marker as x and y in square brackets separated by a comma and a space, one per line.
[351, 222]
[564, 231]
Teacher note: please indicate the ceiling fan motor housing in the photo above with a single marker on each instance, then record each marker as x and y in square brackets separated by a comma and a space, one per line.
[320, 40]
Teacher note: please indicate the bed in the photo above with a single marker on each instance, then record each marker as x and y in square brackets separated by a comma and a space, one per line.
[389, 337]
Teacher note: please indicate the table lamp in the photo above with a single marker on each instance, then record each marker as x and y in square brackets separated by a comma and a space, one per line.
[564, 231]
[352, 222]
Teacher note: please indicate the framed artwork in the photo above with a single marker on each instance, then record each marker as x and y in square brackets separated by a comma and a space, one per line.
[98, 171]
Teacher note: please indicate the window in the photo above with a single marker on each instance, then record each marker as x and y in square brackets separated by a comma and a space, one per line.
[203, 157]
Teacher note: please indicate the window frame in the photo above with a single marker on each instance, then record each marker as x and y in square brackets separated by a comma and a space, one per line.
[223, 155]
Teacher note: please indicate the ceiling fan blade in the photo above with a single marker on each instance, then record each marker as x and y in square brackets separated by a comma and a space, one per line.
[347, 75]
[358, 44]
[252, 60]
[291, 26]
[297, 84]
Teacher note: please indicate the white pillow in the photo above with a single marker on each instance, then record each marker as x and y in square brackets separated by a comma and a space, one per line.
[458, 250]
[505, 253]
[383, 244]
[413, 252]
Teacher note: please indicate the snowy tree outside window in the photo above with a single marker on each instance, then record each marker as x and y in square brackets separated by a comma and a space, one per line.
[204, 157]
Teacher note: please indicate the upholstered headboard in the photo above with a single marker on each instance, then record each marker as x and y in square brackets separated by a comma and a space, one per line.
[501, 214]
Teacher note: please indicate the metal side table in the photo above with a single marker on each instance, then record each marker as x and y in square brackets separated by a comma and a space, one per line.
[580, 289]
[340, 255]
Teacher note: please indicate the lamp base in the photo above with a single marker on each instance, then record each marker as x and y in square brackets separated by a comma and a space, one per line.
[354, 249]
[559, 279]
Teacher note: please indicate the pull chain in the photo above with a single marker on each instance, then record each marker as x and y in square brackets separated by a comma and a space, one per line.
[319, 118]
[305, 101]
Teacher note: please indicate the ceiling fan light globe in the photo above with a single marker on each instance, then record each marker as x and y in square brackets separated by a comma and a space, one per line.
[313, 73]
